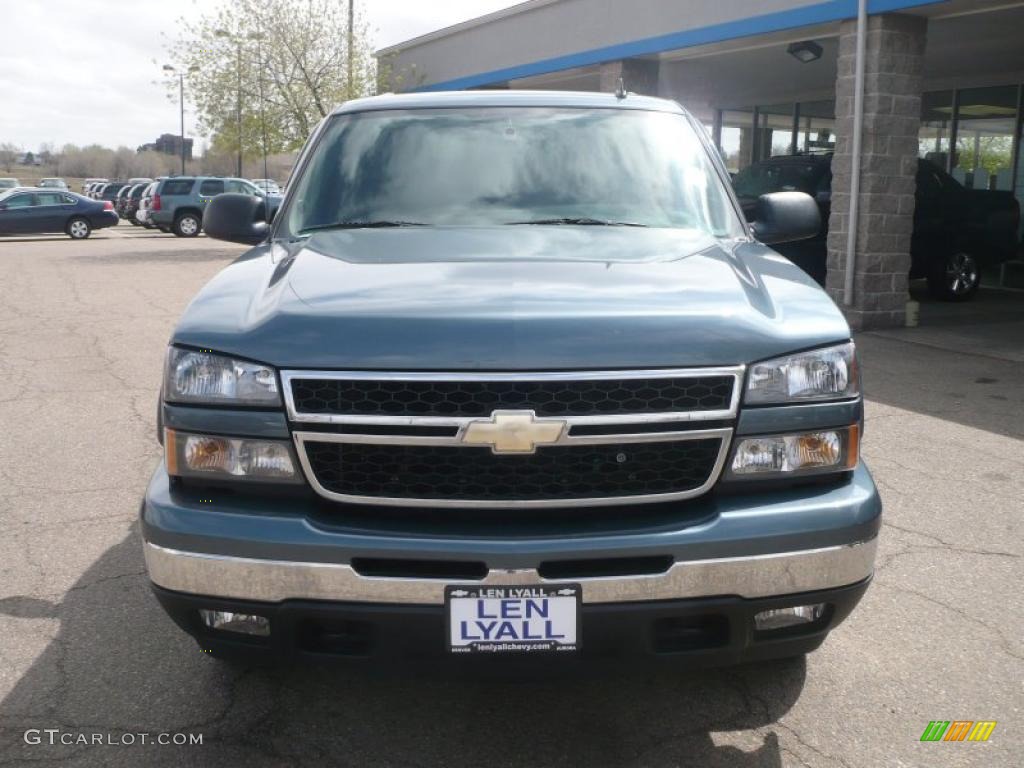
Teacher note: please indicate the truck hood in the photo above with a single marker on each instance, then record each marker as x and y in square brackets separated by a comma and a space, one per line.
[510, 298]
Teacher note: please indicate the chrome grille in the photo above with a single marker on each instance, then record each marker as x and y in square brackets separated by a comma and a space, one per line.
[621, 437]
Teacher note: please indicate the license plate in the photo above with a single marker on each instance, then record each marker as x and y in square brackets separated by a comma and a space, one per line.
[505, 619]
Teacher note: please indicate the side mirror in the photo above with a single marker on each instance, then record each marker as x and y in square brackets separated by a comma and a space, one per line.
[783, 217]
[236, 218]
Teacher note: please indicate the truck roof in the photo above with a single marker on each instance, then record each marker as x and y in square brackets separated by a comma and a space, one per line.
[507, 98]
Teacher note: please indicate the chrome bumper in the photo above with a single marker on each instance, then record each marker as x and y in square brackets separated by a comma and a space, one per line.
[275, 580]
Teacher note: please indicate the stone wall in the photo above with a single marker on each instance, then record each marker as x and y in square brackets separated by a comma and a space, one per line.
[640, 76]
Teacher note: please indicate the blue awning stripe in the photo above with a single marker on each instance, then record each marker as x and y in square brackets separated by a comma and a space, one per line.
[809, 15]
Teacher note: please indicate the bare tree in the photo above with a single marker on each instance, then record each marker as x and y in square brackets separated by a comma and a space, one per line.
[8, 155]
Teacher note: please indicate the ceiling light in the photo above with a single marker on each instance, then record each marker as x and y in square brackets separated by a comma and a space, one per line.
[806, 51]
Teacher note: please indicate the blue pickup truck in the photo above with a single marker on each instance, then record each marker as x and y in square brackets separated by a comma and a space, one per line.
[508, 374]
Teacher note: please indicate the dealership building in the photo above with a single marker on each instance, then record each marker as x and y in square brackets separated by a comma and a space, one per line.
[935, 79]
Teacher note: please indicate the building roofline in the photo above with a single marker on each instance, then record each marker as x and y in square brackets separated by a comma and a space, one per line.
[822, 12]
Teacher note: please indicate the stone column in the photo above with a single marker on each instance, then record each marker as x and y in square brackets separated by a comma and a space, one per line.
[640, 76]
[892, 116]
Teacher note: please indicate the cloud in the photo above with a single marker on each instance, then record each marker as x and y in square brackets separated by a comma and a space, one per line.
[80, 72]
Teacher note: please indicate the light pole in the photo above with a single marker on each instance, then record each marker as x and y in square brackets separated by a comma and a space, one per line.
[351, 44]
[181, 102]
[258, 37]
[224, 33]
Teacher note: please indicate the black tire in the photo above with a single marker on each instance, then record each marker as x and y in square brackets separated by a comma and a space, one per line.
[956, 277]
[78, 228]
[187, 225]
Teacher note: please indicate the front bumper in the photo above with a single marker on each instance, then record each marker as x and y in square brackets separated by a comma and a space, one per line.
[753, 576]
[746, 553]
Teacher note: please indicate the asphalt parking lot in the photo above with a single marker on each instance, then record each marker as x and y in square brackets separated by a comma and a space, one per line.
[85, 649]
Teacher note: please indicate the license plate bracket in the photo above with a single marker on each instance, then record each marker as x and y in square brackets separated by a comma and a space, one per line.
[513, 619]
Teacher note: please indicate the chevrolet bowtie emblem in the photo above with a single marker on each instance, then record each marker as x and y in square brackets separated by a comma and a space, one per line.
[513, 432]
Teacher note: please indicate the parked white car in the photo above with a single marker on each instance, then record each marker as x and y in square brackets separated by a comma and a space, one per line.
[267, 185]
[142, 215]
[89, 185]
[88, 182]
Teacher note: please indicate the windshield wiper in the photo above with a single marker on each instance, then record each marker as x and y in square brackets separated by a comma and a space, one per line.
[381, 224]
[581, 221]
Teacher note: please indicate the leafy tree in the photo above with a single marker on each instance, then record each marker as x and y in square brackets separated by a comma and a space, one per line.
[992, 154]
[295, 52]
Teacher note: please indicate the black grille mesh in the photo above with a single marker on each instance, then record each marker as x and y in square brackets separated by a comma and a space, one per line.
[558, 473]
[480, 398]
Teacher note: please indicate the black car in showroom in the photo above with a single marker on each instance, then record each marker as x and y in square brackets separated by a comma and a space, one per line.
[39, 211]
[957, 230]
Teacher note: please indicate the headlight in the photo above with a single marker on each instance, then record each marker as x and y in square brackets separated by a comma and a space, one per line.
[202, 377]
[827, 450]
[821, 374]
[229, 458]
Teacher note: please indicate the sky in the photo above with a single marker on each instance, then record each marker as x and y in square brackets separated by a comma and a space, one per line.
[87, 71]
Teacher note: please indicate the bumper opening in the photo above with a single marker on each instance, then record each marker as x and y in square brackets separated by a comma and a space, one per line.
[679, 634]
[452, 570]
[612, 566]
[334, 637]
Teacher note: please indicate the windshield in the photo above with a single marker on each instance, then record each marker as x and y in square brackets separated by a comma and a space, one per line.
[506, 166]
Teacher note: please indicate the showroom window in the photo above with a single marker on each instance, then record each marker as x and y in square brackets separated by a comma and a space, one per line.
[936, 127]
[775, 131]
[736, 138]
[986, 130]
[772, 130]
[975, 135]
[816, 127]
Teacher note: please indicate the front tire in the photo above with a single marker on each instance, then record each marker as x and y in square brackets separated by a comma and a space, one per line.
[78, 228]
[957, 277]
[187, 225]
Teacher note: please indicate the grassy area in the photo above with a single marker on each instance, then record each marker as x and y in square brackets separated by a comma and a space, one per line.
[29, 176]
